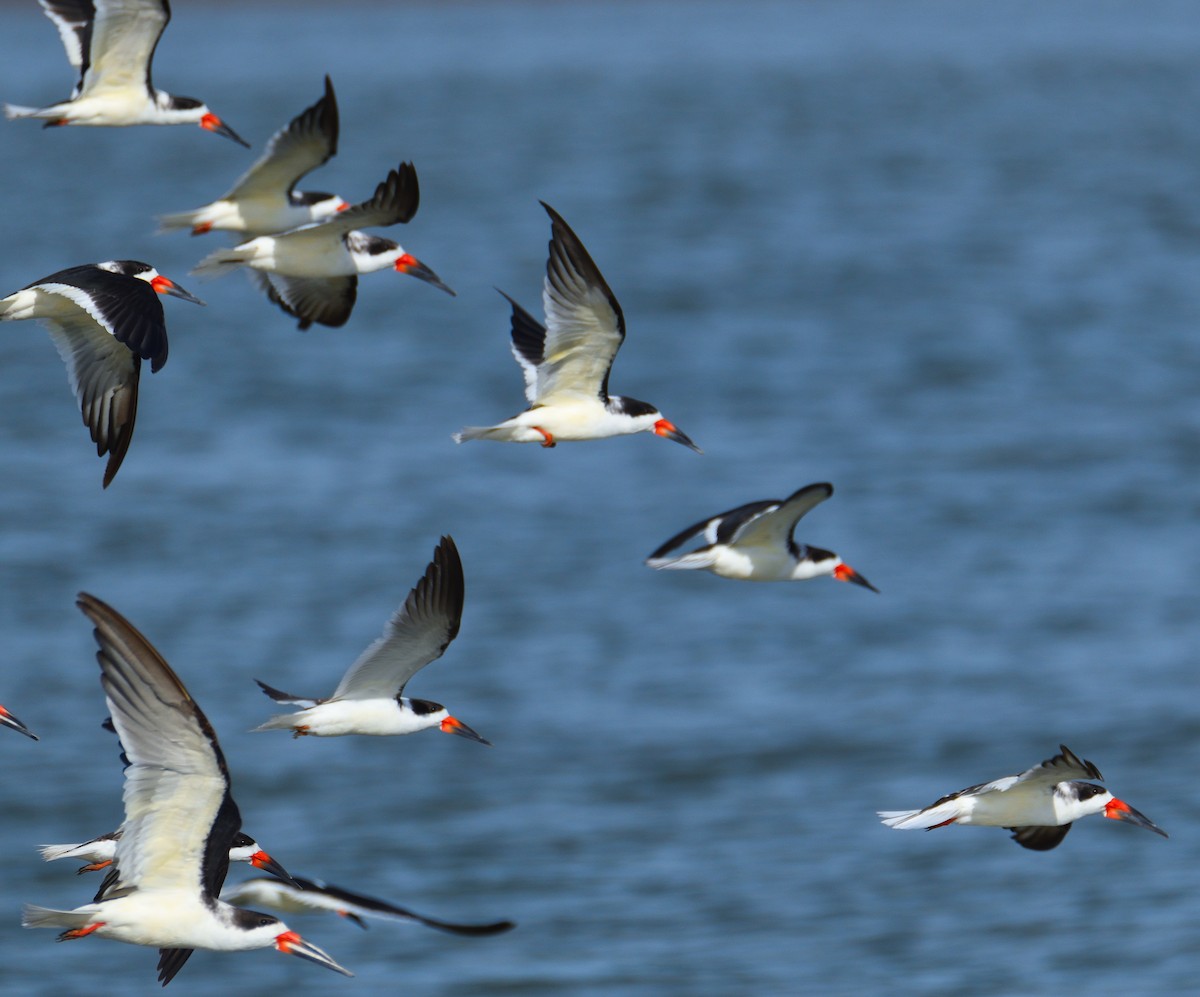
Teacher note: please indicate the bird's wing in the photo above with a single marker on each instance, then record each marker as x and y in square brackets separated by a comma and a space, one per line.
[127, 308]
[180, 818]
[104, 376]
[324, 300]
[721, 528]
[73, 19]
[123, 39]
[528, 346]
[584, 323]
[773, 527]
[395, 200]
[417, 634]
[316, 895]
[299, 147]
[1063, 767]
[1040, 839]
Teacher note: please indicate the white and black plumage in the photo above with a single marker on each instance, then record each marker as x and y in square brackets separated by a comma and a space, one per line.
[111, 44]
[104, 318]
[311, 895]
[755, 542]
[1038, 806]
[180, 819]
[264, 199]
[312, 271]
[9, 720]
[567, 362]
[369, 699]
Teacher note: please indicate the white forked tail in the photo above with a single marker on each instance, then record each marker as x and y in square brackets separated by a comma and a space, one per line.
[471, 433]
[189, 219]
[17, 111]
[33, 916]
[52, 852]
[221, 261]
[281, 721]
[930, 817]
[697, 559]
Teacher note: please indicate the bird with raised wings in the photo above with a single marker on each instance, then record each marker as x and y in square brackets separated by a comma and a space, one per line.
[180, 820]
[370, 697]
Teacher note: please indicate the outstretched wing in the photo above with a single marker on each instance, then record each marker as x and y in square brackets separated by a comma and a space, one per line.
[584, 323]
[773, 527]
[418, 633]
[306, 142]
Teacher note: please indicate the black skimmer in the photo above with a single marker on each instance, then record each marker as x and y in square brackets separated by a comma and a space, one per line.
[264, 199]
[111, 43]
[313, 895]
[1038, 806]
[755, 542]
[566, 363]
[99, 853]
[180, 820]
[104, 318]
[369, 699]
[8, 720]
[312, 271]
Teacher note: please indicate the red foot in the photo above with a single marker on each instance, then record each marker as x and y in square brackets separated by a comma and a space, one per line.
[299, 730]
[548, 439]
[95, 866]
[945, 823]
[74, 933]
[202, 228]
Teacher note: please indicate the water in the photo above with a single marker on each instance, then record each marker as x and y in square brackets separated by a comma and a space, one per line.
[940, 255]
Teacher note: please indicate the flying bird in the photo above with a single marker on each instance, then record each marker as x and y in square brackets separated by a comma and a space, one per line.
[180, 820]
[9, 720]
[755, 542]
[311, 895]
[99, 853]
[312, 272]
[104, 318]
[567, 362]
[1038, 806]
[111, 43]
[370, 699]
[264, 200]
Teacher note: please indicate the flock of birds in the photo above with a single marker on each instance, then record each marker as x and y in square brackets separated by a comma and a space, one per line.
[166, 865]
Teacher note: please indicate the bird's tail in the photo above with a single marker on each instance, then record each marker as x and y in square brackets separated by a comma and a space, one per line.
[33, 916]
[221, 261]
[474, 433]
[696, 560]
[281, 721]
[927, 819]
[199, 221]
[17, 111]
[52, 852]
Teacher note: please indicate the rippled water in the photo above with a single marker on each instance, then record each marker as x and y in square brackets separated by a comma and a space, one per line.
[941, 255]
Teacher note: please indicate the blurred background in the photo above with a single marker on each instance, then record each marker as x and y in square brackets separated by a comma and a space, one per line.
[941, 255]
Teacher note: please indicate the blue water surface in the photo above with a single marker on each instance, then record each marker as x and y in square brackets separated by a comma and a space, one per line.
[942, 255]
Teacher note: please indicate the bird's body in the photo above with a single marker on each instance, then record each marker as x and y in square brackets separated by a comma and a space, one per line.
[755, 542]
[312, 271]
[111, 44]
[313, 895]
[264, 199]
[7, 719]
[1038, 806]
[566, 363]
[369, 699]
[104, 319]
[180, 820]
